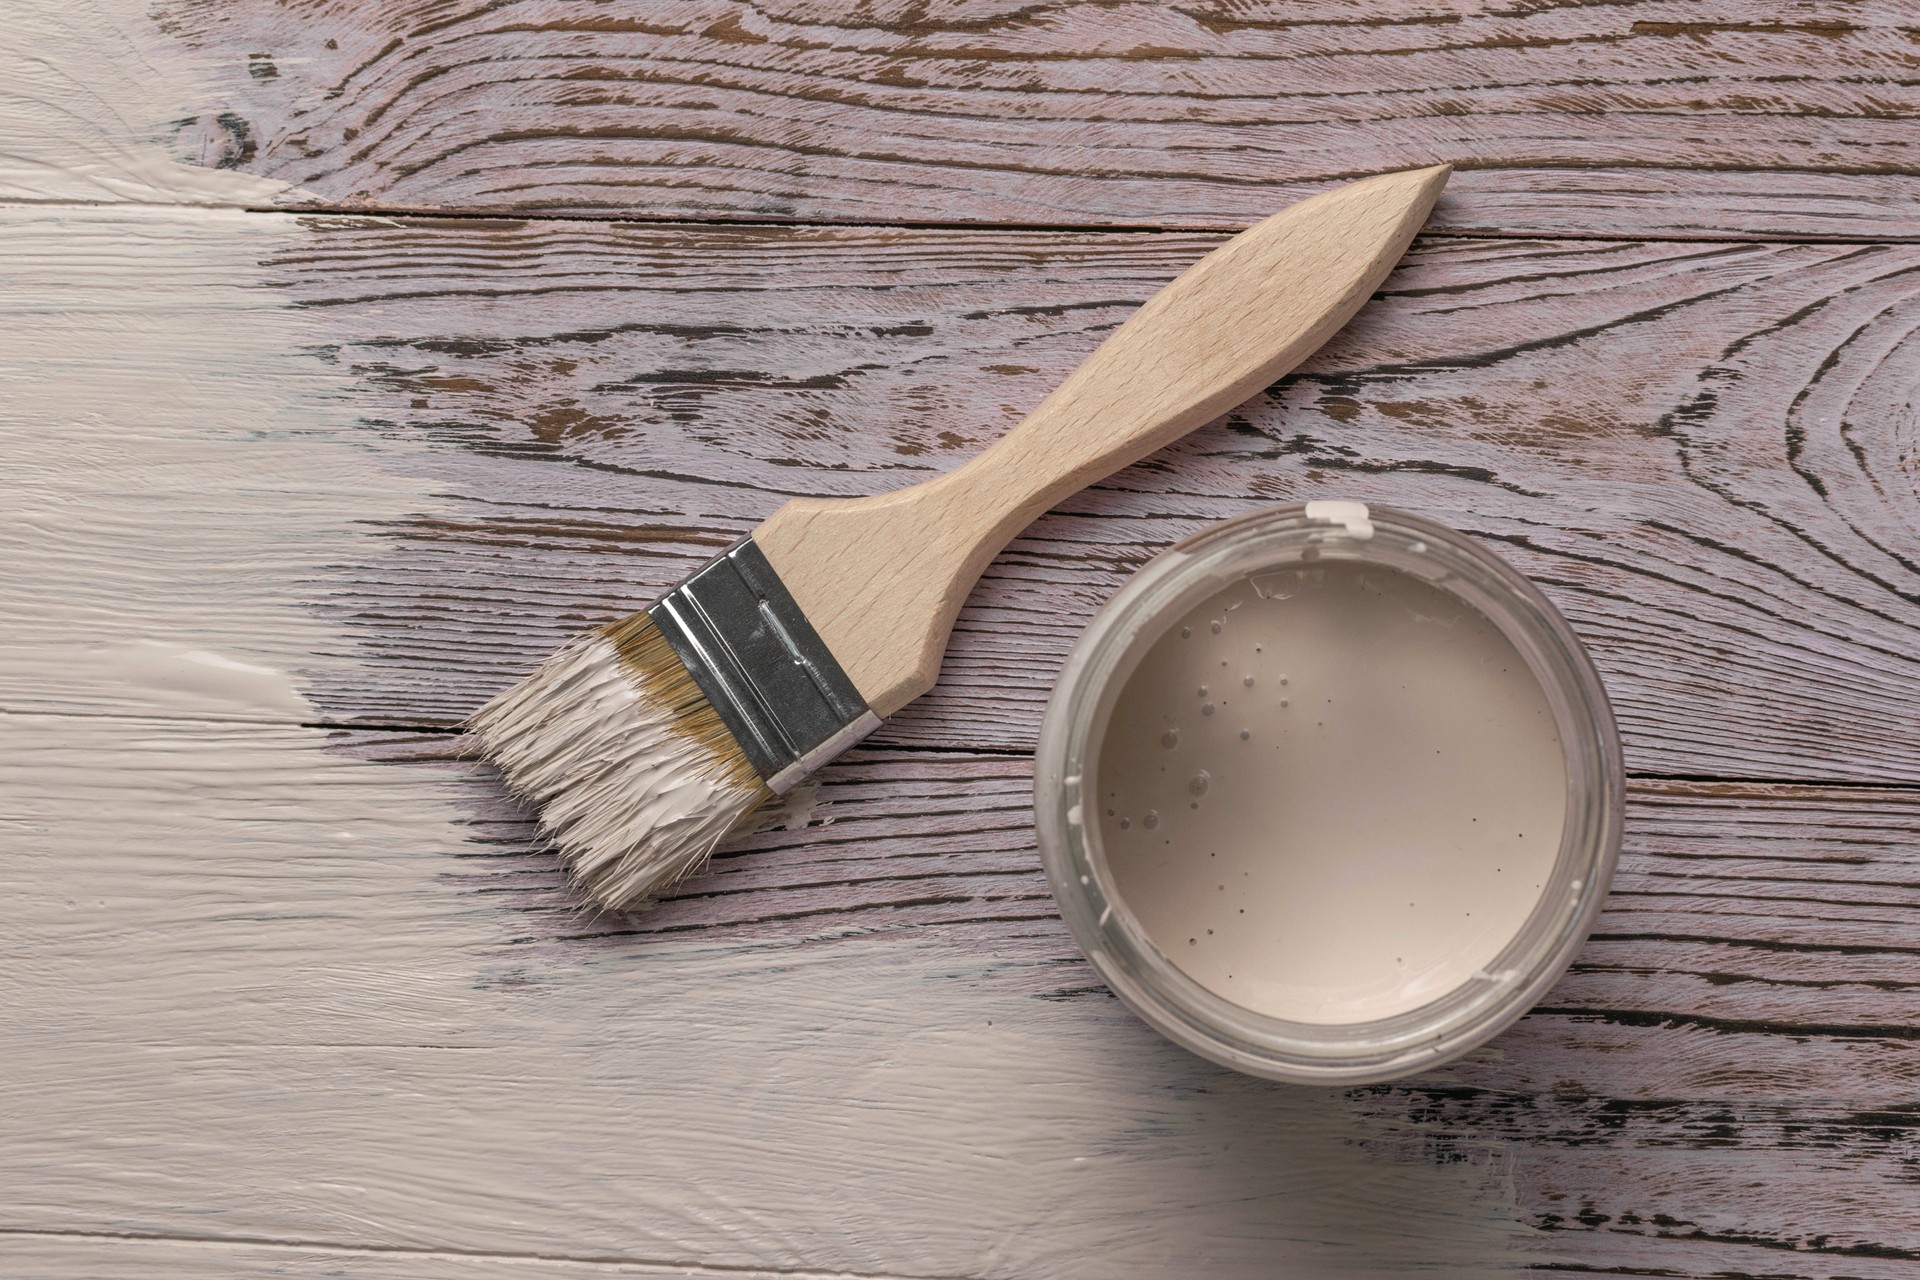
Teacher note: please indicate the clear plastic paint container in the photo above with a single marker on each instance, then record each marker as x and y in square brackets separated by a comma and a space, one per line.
[1329, 794]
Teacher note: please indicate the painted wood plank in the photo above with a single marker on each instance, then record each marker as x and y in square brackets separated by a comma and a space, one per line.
[251, 993]
[1642, 118]
[1771, 909]
[28, 1255]
[438, 1047]
[1696, 450]
[98, 105]
[247, 997]
[260, 988]
[180, 477]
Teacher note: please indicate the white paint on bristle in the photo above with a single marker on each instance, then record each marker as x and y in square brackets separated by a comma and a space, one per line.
[632, 803]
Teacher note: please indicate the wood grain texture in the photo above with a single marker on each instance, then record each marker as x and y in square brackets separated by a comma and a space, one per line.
[280, 1014]
[1652, 117]
[1723, 1084]
[253, 998]
[1739, 1030]
[882, 577]
[1704, 454]
[81, 1256]
[91, 96]
[180, 472]
[284, 997]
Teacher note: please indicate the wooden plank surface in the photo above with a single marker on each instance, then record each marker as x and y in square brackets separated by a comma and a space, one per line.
[351, 930]
[291, 988]
[1698, 451]
[456, 1061]
[50, 1253]
[1647, 118]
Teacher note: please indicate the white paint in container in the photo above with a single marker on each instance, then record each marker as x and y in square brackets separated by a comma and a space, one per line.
[1329, 794]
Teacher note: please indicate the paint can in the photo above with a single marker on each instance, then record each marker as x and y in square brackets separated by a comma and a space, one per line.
[1329, 794]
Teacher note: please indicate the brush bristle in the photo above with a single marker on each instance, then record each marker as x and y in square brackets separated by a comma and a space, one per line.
[636, 777]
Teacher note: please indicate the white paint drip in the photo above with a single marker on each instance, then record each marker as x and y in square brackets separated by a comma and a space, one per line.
[195, 681]
[800, 808]
[1351, 516]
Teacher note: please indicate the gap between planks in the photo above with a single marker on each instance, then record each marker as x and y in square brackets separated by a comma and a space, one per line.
[1037, 227]
[1017, 753]
[565, 1264]
[989, 750]
[407, 213]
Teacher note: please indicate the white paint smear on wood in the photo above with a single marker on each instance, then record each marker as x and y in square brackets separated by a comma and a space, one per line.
[179, 477]
[96, 104]
[242, 1002]
[244, 997]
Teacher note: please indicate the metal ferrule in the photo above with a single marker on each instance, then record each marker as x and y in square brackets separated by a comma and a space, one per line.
[774, 682]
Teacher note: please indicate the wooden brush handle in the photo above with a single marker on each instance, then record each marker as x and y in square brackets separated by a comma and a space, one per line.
[882, 578]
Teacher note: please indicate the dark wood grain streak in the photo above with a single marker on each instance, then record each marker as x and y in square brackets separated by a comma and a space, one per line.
[1638, 118]
[1704, 454]
[1724, 1082]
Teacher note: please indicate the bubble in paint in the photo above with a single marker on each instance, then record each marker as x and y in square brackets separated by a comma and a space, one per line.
[1247, 681]
[1186, 633]
[1245, 734]
[1200, 782]
[1170, 739]
[1152, 819]
[1215, 628]
[1207, 710]
[1126, 824]
[1203, 691]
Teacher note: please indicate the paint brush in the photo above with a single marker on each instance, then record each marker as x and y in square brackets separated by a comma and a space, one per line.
[645, 742]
